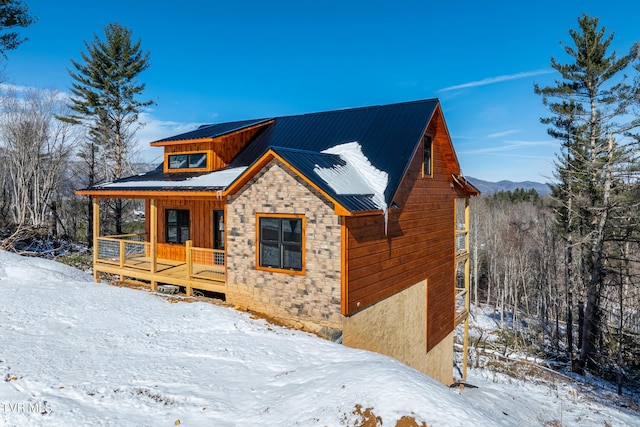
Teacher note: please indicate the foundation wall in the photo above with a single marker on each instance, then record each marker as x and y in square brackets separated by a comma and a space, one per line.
[377, 328]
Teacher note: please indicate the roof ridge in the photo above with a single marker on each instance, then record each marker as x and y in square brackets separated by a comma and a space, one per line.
[277, 148]
[364, 107]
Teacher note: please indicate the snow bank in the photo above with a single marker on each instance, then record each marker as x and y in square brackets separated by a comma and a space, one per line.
[74, 352]
[93, 354]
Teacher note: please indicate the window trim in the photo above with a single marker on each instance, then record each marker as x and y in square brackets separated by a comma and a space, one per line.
[206, 167]
[302, 217]
[166, 226]
[428, 174]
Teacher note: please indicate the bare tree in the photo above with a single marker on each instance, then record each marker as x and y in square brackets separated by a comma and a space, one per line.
[36, 149]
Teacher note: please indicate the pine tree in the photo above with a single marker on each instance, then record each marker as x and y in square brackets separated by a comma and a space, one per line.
[13, 14]
[589, 105]
[104, 99]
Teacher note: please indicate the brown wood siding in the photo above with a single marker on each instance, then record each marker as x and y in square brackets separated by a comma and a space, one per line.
[419, 244]
[221, 150]
[200, 230]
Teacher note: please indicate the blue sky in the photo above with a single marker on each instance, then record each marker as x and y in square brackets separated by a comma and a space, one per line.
[215, 61]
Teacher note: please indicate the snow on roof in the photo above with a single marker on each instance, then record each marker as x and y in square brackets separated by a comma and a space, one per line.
[357, 176]
[220, 179]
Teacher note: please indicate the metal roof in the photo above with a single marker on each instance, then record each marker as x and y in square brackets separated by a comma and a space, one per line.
[172, 179]
[388, 135]
[307, 162]
[213, 131]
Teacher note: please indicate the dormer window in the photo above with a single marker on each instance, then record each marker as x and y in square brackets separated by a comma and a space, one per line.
[187, 161]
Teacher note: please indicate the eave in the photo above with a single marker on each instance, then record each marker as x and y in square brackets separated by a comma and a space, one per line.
[270, 155]
[460, 182]
[149, 194]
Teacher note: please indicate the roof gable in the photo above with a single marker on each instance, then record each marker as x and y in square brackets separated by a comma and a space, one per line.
[388, 135]
[355, 195]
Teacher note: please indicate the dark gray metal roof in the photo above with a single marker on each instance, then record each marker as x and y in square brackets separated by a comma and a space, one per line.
[156, 175]
[388, 135]
[306, 163]
[213, 131]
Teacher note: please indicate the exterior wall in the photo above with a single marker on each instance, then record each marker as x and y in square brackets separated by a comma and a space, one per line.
[311, 300]
[376, 329]
[419, 245]
[201, 227]
[220, 151]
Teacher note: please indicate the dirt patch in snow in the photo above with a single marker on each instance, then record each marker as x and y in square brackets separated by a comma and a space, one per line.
[367, 418]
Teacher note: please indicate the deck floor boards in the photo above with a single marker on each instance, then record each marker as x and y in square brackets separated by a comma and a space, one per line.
[204, 276]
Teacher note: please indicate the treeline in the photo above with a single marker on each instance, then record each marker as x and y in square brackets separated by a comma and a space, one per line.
[517, 195]
[42, 162]
[37, 173]
[53, 143]
[571, 261]
[519, 269]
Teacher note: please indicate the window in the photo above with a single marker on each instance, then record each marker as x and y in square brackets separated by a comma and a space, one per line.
[427, 160]
[218, 229]
[281, 243]
[188, 161]
[177, 225]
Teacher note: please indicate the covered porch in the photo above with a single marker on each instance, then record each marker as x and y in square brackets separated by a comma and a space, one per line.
[136, 256]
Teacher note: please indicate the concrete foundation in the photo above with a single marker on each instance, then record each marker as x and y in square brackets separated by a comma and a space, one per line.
[378, 328]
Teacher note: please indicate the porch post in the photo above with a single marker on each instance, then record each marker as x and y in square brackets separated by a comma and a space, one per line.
[467, 305]
[188, 266]
[153, 231]
[96, 234]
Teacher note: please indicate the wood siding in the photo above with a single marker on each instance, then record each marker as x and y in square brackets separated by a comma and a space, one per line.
[419, 244]
[200, 227]
[220, 150]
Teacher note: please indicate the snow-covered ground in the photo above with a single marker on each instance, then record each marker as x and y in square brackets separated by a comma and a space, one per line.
[73, 352]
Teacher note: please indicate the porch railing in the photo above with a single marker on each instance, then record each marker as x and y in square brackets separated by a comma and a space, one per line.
[203, 263]
[126, 250]
[461, 241]
[133, 251]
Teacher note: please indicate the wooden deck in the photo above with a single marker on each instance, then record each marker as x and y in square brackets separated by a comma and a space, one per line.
[170, 272]
[204, 268]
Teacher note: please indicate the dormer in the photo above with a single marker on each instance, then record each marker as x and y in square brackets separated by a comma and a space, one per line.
[210, 147]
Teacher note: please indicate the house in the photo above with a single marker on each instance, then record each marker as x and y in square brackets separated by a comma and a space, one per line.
[350, 223]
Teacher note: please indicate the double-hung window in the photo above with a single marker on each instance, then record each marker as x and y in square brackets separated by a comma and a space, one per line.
[177, 225]
[281, 242]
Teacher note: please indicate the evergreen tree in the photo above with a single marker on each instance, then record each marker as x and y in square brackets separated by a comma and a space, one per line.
[104, 96]
[589, 105]
[13, 14]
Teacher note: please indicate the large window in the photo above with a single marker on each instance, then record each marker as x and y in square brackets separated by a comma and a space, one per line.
[427, 159]
[188, 161]
[281, 242]
[177, 225]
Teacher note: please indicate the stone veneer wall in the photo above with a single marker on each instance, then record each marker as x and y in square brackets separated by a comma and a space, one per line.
[311, 300]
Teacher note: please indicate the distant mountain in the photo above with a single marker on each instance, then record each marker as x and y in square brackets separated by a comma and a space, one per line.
[488, 187]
